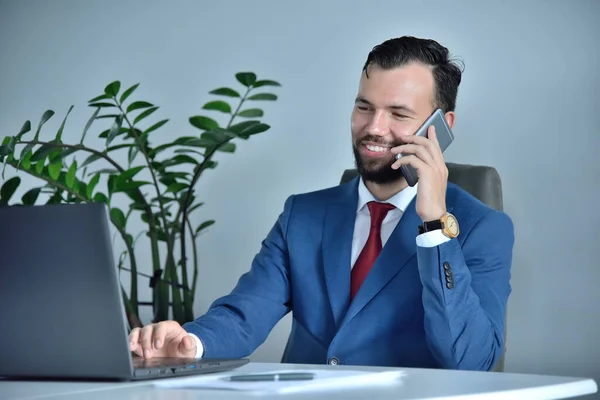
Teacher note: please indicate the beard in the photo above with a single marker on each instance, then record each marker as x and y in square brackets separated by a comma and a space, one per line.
[379, 170]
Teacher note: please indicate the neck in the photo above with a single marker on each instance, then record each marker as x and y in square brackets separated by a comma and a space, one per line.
[383, 192]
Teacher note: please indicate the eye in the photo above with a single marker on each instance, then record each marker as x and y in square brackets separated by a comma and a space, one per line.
[363, 108]
[401, 116]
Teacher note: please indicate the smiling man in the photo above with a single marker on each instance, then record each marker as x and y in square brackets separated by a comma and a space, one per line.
[375, 272]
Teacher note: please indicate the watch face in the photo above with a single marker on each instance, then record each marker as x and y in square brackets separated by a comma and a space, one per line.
[452, 225]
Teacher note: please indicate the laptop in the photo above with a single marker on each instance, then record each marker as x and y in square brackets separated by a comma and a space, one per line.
[60, 301]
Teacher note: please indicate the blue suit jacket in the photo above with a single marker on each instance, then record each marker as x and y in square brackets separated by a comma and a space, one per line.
[439, 307]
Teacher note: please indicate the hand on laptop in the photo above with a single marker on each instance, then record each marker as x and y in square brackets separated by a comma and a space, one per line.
[163, 339]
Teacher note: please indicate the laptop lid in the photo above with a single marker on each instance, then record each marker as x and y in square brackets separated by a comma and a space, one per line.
[60, 297]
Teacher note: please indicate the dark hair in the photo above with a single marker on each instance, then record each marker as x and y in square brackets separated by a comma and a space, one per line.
[400, 51]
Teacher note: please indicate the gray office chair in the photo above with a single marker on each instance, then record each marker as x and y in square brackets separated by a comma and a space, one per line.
[482, 182]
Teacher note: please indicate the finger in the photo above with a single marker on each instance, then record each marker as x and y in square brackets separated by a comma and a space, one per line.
[147, 340]
[134, 338]
[419, 151]
[160, 332]
[187, 346]
[411, 160]
[435, 149]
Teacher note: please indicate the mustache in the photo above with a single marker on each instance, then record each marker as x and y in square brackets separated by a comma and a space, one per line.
[377, 140]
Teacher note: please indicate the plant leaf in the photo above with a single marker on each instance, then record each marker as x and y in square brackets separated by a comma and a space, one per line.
[250, 113]
[92, 185]
[45, 117]
[30, 197]
[101, 105]
[39, 166]
[26, 128]
[179, 159]
[62, 125]
[54, 169]
[246, 78]
[225, 91]
[227, 147]
[117, 217]
[133, 152]
[265, 82]
[247, 128]
[218, 105]
[70, 178]
[43, 152]
[25, 160]
[136, 105]
[184, 151]
[115, 129]
[90, 159]
[100, 198]
[195, 206]
[155, 126]
[127, 93]
[89, 124]
[7, 147]
[204, 123]
[130, 173]
[176, 187]
[263, 96]
[144, 114]
[9, 188]
[128, 185]
[204, 225]
[98, 98]
[112, 89]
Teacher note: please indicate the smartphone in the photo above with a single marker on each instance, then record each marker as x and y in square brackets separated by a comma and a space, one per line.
[444, 136]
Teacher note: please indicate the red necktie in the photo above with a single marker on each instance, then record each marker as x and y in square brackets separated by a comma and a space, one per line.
[372, 248]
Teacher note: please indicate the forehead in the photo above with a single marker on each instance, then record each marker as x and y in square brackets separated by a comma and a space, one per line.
[410, 85]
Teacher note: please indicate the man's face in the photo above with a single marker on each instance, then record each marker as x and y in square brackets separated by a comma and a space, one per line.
[390, 104]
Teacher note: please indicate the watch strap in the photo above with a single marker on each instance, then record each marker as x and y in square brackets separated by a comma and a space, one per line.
[430, 226]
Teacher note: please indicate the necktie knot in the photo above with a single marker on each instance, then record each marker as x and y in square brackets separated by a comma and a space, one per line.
[378, 212]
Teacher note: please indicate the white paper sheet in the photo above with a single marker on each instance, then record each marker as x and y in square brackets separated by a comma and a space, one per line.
[324, 380]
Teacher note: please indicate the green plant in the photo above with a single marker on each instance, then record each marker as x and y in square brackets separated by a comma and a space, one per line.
[172, 170]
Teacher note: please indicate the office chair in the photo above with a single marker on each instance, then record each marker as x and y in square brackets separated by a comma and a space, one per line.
[484, 183]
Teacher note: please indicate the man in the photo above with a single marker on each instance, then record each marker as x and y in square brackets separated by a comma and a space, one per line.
[432, 297]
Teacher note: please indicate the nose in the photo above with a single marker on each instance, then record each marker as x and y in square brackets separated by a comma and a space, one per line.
[379, 125]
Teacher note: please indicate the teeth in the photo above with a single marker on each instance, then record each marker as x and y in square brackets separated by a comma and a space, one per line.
[376, 148]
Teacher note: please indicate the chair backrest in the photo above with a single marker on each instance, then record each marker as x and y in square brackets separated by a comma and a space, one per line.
[484, 183]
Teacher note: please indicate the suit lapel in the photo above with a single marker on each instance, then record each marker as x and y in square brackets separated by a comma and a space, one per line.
[396, 253]
[338, 230]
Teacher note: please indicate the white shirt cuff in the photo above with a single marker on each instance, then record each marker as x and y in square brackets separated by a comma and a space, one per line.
[432, 239]
[199, 347]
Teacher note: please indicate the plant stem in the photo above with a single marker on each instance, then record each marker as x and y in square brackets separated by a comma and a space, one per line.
[195, 254]
[77, 147]
[170, 264]
[183, 210]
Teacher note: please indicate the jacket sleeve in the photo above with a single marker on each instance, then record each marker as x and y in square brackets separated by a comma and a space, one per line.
[465, 292]
[236, 324]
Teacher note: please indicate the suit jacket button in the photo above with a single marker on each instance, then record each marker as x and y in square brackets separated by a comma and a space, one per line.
[333, 361]
[450, 285]
[446, 266]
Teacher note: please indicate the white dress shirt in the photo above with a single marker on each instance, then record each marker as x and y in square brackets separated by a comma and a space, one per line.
[362, 226]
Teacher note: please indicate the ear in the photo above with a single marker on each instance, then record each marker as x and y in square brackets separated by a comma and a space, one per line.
[450, 118]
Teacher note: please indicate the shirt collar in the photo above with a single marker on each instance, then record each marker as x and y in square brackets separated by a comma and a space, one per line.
[400, 200]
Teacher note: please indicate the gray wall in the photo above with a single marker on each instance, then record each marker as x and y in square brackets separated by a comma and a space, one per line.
[528, 106]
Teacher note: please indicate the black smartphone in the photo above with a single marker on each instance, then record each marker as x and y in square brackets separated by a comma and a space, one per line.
[444, 136]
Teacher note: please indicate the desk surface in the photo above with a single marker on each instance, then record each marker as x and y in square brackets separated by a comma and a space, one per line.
[417, 384]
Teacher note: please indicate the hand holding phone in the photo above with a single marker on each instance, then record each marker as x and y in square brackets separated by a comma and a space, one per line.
[443, 134]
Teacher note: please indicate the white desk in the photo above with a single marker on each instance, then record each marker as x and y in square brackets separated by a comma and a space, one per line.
[417, 384]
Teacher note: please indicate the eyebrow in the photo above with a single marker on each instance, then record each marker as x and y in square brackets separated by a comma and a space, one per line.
[397, 107]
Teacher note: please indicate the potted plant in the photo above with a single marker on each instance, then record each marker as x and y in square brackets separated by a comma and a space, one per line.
[164, 199]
